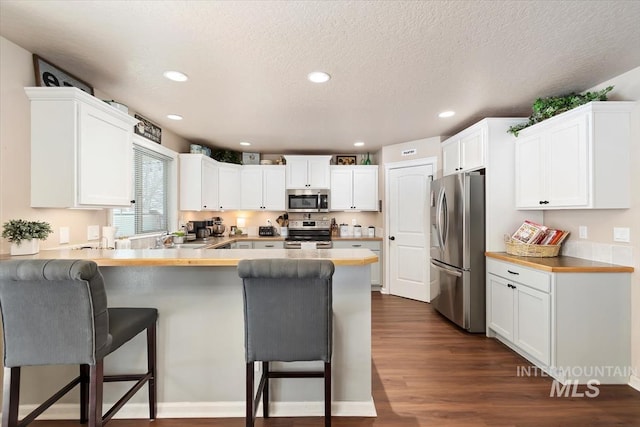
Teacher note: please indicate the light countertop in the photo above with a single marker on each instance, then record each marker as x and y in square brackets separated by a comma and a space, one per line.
[561, 264]
[201, 257]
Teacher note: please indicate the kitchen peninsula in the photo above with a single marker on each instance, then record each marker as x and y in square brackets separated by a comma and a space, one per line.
[201, 337]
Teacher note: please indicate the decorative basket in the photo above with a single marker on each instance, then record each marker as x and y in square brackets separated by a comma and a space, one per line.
[515, 247]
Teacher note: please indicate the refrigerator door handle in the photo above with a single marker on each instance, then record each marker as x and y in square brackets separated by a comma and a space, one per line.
[449, 271]
[439, 211]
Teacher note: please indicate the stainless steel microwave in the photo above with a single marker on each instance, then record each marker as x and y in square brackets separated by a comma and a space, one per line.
[308, 200]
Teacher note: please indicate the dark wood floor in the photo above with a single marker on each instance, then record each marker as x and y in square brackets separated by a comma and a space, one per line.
[426, 372]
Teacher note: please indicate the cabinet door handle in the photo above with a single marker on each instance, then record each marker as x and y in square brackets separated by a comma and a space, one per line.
[513, 272]
[543, 202]
[268, 246]
[356, 246]
[392, 238]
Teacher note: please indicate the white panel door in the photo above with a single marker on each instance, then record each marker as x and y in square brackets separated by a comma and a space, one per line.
[273, 188]
[529, 176]
[341, 188]
[365, 188]
[105, 154]
[533, 322]
[409, 232]
[567, 164]
[251, 187]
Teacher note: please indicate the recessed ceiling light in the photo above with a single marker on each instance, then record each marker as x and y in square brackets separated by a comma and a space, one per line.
[358, 144]
[446, 114]
[174, 117]
[318, 77]
[245, 143]
[176, 76]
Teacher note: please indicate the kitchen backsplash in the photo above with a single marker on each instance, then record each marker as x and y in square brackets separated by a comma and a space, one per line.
[603, 252]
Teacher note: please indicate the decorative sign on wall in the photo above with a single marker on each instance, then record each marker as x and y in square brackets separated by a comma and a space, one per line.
[49, 75]
[409, 152]
[147, 129]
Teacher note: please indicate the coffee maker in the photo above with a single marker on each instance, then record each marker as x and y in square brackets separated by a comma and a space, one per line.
[199, 228]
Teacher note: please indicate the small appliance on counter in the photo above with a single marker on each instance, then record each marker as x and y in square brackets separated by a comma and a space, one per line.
[344, 230]
[371, 231]
[216, 227]
[266, 230]
[357, 231]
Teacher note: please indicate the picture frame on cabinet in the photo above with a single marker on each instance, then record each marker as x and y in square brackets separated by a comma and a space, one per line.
[346, 160]
[147, 129]
[49, 75]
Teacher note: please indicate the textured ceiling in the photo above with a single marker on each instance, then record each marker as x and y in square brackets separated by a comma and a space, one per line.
[395, 64]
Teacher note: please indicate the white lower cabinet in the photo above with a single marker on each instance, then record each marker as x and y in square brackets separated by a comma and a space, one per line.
[374, 245]
[562, 322]
[242, 245]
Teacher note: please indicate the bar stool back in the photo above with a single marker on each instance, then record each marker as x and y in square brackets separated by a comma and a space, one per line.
[54, 312]
[288, 317]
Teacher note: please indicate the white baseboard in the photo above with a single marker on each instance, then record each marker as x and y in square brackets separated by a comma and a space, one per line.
[634, 381]
[69, 411]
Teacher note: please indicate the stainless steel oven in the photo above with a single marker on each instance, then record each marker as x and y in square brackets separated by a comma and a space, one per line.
[316, 232]
[308, 200]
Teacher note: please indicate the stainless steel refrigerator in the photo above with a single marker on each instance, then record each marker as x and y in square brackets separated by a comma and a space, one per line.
[457, 249]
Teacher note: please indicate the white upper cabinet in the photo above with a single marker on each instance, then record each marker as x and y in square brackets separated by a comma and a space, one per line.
[464, 152]
[81, 150]
[208, 185]
[354, 188]
[576, 160]
[262, 187]
[307, 172]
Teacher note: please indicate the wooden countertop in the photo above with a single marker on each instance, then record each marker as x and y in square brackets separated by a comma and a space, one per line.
[200, 257]
[561, 264]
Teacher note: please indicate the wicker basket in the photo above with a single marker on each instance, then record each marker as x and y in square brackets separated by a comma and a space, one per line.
[522, 249]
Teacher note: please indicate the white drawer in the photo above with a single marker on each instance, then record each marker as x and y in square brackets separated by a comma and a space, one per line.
[357, 244]
[533, 278]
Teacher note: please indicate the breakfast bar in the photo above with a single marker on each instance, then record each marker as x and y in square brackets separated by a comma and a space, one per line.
[201, 365]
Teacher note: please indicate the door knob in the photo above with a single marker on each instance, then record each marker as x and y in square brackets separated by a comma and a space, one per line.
[392, 238]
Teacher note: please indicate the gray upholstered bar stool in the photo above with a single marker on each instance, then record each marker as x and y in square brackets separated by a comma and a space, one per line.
[54, 312]
[288, 317]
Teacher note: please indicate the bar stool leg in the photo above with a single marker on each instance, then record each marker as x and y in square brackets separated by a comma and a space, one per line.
[249, 416]
[84, 393]
[11, 396]
[327, 394]
[95, 393]
[265, 391]
[151, 366]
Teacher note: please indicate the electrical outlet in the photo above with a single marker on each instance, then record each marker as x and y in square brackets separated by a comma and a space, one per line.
[93, 232]
[621, 234]
[582, 232]
[64, 235]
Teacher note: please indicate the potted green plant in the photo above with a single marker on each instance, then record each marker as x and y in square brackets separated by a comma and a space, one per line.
[25, 236]
[178, 237]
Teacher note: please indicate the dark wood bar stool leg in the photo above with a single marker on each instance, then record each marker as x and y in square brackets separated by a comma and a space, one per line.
[11, 396]
[327, 394]
[265, 391]
[151, 366]
[95, 394]
[84, 393]
[249, 415]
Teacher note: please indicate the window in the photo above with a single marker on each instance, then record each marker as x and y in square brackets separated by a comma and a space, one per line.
[150, 213]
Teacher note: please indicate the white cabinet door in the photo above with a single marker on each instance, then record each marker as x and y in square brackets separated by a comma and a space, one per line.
[530, 180]
[365, 188]
[208, 186]
[105, 152]
[341, 188]
[472, 151]
[532, 322]
[268, 245]
[263, 188]
[273, 188]
[566, 162]
[228, 187]
[251, 188]
[81, 150]
[308, 172]
[450, 157]
[354, 188]
[318, 172]
[501, 313]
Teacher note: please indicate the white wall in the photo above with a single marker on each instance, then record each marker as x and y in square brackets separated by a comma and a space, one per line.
[16, 72]
[600, 223]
